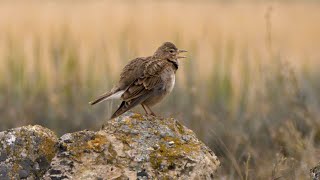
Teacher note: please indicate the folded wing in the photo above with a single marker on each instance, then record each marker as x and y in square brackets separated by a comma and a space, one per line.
[143, 87]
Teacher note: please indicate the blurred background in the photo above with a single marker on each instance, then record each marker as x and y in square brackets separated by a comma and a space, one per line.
[250, 87]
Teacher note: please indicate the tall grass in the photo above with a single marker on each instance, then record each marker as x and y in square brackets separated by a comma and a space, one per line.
[249, 88]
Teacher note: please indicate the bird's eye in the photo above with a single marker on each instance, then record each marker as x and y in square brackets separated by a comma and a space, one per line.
[171, 51]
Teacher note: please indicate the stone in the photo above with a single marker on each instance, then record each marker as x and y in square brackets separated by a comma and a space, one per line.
[315, 172]
[133, 146]
[22, 148]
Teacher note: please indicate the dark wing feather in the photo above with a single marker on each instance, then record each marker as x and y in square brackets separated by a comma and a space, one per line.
[143, 87]
[132, 71]
[152, 73]
[127, 105]
[150, 79]
[134, 91]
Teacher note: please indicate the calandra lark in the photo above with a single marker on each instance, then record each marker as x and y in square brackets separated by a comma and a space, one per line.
[145, 80]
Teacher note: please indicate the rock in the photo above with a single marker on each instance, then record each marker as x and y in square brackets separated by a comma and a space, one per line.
[129, 147]
[315, 172]
[26, 152]
[133, 147]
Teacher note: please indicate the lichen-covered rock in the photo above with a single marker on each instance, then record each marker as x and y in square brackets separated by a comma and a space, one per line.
[134, 147]
[26, 152]
[315, 172]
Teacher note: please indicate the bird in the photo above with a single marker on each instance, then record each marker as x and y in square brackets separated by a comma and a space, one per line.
[145, 80]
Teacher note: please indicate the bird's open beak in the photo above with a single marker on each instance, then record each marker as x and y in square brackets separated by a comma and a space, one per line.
[181, 51]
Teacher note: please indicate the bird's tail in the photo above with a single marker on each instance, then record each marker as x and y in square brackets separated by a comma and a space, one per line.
[125, 105]
[113, 94]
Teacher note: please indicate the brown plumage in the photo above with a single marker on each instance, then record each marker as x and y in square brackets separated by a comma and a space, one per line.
[145, 80]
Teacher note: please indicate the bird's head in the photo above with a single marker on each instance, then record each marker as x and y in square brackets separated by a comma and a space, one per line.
[169, 51]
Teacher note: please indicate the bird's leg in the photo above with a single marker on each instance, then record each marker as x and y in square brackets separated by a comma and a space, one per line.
[152, 113]
[144, 108]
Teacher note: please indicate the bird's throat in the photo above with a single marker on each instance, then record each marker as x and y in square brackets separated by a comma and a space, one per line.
[175, 63]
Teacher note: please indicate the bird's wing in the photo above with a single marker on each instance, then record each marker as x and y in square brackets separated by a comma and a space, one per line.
[127, 105]
[131, 72]
[143, 87]
[150, 79]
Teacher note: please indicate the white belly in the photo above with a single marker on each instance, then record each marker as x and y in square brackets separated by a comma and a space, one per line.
[172, 82]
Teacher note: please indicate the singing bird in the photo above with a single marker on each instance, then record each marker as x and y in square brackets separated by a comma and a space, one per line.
[145, 80]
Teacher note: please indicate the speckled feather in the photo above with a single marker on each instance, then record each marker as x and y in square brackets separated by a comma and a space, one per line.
[142, 87]
[145, 80]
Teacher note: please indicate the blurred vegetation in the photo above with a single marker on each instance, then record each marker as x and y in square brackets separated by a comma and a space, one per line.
[250, 87]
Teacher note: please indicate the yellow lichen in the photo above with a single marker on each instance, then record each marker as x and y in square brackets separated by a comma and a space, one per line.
[170, 154]
[47, 147]
[137, 116]
[112, 153]
[176, 127]
[15, 169]
[127, 121]
[97, 143]
[125, 139]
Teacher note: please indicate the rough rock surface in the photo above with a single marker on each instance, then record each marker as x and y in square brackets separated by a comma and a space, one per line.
[315, 172]
[26, 152]
[133, 147]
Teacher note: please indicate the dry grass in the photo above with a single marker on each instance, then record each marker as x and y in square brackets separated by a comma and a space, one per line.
[250, 87]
